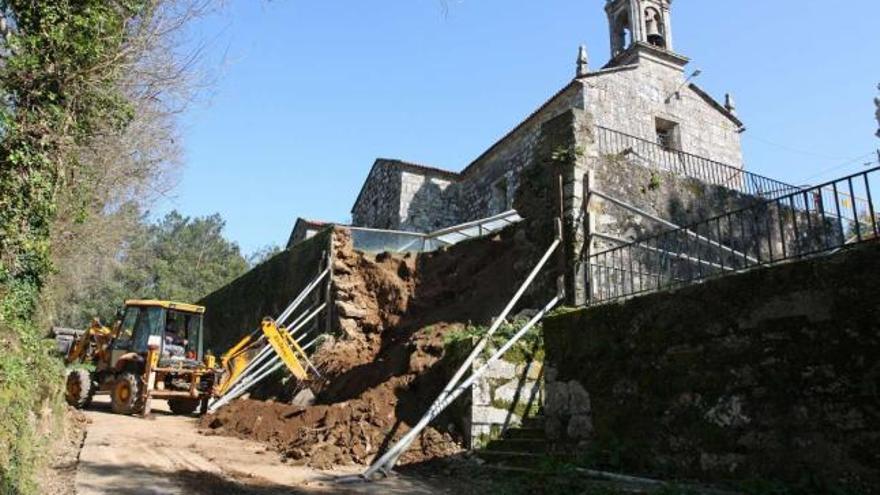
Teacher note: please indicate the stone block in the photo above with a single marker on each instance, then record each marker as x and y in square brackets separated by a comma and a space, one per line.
[487, 415]
[516, 391]
[532, 371]
[580, 426]
[305, 398]
[557, 398]
[578, 399]
[349, 310]
[501, 370]
[482, 393]
[350, 327]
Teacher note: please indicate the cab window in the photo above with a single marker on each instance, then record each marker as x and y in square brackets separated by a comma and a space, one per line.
[150, 322]
[126, 330]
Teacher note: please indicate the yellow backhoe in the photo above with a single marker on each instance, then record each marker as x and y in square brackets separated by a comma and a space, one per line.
[155, 350]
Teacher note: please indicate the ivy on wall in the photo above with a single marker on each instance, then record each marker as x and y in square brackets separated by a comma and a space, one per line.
[59, 85]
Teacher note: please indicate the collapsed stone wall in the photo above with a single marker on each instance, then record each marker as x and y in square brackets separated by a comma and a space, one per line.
[772, 374]
[390, 356]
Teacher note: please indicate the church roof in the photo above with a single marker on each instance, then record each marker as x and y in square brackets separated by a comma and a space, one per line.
[718, 106]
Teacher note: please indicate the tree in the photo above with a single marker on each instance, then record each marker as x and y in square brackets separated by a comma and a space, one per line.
[177, 258]
[188, 258]
[263, 254]
[81, 83]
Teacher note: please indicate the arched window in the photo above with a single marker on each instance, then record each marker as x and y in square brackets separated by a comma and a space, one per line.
[622, 33]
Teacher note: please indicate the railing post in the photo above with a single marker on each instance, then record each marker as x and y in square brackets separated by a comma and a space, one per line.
[589, 229]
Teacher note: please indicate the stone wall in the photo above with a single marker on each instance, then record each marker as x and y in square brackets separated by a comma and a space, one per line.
[427, 202]
[503, 163]
[378, 204]
[238, 308]
[508, 392]
[771, 374]
[672, 197]
[629, 99]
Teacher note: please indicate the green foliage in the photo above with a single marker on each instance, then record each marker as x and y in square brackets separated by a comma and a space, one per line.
[655, 182]
[529, 348]
[58, 80]
[263, 254]
[177, 258]
[563, 154]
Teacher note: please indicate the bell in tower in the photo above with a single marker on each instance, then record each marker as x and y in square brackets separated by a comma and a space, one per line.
[654, 28]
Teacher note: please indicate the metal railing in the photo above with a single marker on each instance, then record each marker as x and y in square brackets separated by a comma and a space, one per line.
[612, 142]
[810, 221]
[378, 240]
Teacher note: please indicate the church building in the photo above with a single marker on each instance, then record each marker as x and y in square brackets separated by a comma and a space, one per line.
[643, 95]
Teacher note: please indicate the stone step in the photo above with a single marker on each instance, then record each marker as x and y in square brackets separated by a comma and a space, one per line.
[588, 486]
[511, 459]
[524, 433]
[532, 445]
[530, 422]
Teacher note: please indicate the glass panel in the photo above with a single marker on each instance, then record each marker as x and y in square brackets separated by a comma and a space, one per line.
[194, 335]
[126, 330]
[149, 323]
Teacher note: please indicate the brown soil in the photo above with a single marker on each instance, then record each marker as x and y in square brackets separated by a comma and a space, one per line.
[391, 363]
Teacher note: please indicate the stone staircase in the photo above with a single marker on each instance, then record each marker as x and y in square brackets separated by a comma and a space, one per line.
[525, 446]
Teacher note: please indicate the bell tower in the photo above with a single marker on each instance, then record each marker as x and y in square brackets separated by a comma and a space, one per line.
[641, 29]
[634, 22]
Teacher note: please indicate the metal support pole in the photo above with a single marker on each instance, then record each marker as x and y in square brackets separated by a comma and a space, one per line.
[391, 457]
[387, 461]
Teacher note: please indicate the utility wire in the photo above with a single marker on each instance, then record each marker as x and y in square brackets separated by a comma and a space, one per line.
[792, 149]
[842, 165]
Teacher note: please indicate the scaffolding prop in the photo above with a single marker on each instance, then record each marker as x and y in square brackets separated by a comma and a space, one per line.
[279, 346]
[455, 387]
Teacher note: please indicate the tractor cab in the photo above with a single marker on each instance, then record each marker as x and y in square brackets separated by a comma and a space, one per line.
[177, 327]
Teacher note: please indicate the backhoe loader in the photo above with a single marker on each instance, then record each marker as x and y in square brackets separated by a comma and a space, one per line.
[155, 350]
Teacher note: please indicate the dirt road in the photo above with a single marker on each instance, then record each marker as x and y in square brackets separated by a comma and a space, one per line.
[166, 454]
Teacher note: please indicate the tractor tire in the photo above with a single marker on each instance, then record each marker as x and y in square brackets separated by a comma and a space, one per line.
[183, 407]
[80, 388]
[125, 396]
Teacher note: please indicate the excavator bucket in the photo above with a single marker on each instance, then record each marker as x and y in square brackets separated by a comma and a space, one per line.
[285, 347]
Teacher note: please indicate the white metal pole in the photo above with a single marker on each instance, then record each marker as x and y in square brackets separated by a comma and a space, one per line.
[395, 451]
[481, 345]
[282, 318]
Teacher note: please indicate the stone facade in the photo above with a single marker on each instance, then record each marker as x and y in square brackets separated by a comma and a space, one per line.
[405, 196]
[636, 99]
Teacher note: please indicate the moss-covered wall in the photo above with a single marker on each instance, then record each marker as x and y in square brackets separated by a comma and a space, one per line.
[237, 309]
[771, 374]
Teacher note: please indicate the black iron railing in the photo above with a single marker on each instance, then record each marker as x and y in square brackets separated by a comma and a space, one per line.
[807, 222]
[662, 157]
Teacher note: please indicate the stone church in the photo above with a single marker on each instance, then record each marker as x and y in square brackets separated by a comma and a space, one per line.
[644, 91]
[638, 117]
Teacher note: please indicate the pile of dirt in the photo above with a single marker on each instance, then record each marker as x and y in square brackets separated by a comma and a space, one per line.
[391, 362]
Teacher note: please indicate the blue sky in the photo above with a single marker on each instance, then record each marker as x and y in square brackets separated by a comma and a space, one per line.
[310, 92]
